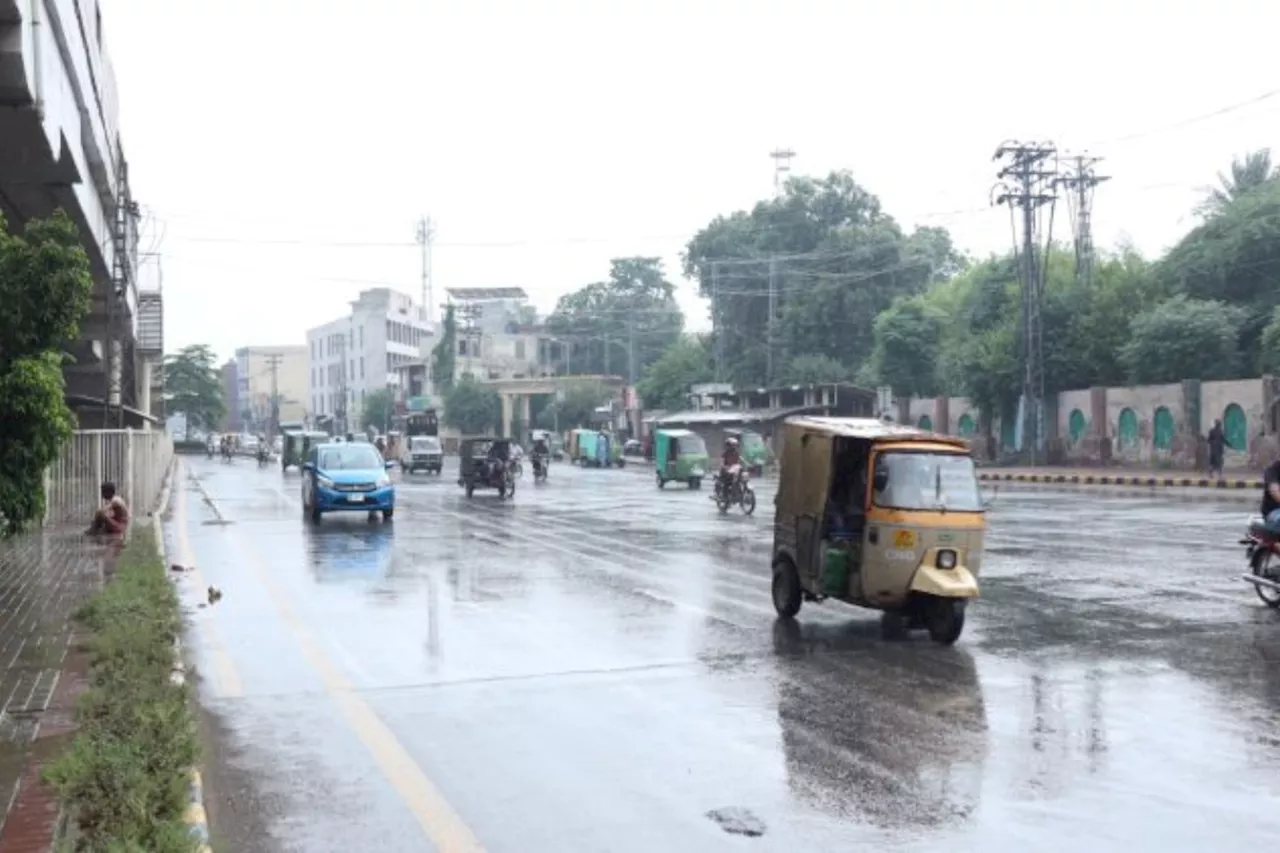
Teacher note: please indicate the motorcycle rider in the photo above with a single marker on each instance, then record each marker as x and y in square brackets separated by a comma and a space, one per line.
[540, 454]
[730, 462]
[1271, 496]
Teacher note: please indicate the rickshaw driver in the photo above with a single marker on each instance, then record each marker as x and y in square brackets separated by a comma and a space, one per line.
[495, 460]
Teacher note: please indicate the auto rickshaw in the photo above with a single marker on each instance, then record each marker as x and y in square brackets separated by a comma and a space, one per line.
[879, 515]
[752, 448]
[615, 456]
[585, 447]
[297, 443]
[680, 456]
[477, 468]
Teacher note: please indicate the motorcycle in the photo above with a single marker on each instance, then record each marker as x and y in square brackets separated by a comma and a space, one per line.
[264, 457]
[735, 490]
[539, 469]
[227, 455]
[1262, 546]
[516, 469]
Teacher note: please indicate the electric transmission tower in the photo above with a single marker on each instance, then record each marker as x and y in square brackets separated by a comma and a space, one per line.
[1080, 180]
[425, 237]
[1027, 184]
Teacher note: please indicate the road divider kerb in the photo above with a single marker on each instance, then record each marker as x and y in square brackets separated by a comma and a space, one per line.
[196, 819]
[1120, 480]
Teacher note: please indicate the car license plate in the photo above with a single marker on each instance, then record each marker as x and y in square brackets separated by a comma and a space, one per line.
[356, 499]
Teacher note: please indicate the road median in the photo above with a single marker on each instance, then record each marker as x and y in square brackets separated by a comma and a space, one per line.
[125, 781]
[1129, 479]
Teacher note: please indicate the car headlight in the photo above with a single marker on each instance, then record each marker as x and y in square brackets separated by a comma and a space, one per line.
[322, 480]
[946, 559]
[383, 480]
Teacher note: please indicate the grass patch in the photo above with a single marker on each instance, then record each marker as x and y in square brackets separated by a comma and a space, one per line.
[124, 781]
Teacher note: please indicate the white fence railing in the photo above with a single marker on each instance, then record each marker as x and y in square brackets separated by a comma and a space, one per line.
[135, 460]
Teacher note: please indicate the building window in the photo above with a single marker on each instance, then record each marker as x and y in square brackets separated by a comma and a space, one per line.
[362, 367]
[520, 349]
[362, 337]
[352, 374]
[388, 362]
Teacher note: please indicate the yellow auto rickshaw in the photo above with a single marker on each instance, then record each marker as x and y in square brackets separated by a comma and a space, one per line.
[878, 515]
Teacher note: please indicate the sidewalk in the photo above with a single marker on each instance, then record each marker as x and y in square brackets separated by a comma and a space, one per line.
[45, 576]
[1121, 477]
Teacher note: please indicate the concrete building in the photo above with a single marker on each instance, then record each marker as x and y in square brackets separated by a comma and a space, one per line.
[372, 348]
[231, 393]
[254, 375]
[60, 148]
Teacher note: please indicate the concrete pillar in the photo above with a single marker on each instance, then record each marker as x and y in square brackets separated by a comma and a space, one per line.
[775, 400]
[942, 415]
[1097, 442]
[524, 415]
[144, 389]
[506, 415]
[808, 396]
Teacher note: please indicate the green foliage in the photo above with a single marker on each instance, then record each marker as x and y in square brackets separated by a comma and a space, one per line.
[45, 290]
[445, 354]
[906, 347]
[378, 408]
[193, 386]
[600, 321]
[1248, 173]
[1183, 338]
[814, 369]
[580, 400]
[124, 778]
[838, 262]
[666, 382]
[472, 408]
[1269, 357]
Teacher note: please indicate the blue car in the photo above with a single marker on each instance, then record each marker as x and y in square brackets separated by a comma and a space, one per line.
[346, 477]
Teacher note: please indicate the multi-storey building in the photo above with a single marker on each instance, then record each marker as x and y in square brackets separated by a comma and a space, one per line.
[368, 350]
[60, 148]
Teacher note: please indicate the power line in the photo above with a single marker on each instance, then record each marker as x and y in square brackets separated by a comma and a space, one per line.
[1230, 108]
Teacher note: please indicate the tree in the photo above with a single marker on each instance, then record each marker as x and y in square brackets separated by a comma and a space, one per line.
[472, 408]
[906, 354]
[836, 261]
[379, 406]
[1248, 173]
[444, 356]
[601, 322]
[814, 369]
[666, 382]
[1269, 357]
[45, 290]
[1183, 338]
[576, 406]
[192, 386]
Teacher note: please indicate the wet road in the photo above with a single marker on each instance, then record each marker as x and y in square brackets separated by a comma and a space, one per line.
[596, 666]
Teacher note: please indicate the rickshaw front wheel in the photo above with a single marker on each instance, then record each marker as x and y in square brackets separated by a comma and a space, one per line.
[944, 619]
[787, 595]
[661, 482]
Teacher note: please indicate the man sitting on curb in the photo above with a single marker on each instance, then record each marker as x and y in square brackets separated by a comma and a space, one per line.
[113, 517]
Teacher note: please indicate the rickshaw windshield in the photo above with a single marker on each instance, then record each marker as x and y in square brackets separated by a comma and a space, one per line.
[928, 481]
[751, 441]
[692, 445]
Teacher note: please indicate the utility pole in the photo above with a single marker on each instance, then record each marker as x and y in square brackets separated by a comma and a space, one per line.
[1026, 185]
[717, 333]
[273, 364]
[1081, 179]
[773, 310]
[425, 236]
[781, 165]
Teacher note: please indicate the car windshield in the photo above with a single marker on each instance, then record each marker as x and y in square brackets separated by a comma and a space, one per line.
[691, 445]
[350, 457]
[932, 481]
[425, 445]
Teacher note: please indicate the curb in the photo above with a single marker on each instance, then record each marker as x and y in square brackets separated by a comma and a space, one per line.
[196, 819]
[1120, 480]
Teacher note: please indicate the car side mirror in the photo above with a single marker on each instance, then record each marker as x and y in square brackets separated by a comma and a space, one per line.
[307, 466]
[881, 480]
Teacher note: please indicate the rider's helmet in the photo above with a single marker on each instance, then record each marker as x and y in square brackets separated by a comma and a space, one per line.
[731, 444]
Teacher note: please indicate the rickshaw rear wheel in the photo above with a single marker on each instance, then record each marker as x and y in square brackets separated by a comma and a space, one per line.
[470, 489]
[787, 595]
[944, 619]
[661, 482]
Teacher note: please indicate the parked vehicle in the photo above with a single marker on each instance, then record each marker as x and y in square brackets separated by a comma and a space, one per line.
[346, 477]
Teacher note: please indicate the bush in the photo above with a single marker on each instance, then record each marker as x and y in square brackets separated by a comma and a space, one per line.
[188, 447]
[125, 778]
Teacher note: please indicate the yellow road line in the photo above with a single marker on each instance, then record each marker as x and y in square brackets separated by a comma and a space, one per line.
[223, 672]
[441, 824]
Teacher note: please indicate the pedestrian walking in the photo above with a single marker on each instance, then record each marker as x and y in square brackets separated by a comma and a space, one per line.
[1217, 447]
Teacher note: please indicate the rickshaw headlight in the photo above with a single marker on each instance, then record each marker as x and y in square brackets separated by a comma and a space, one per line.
[946, 559]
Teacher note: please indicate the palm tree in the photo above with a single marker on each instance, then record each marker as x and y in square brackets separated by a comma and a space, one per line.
[1247, 174]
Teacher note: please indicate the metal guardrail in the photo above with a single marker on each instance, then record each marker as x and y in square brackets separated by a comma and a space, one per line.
[135, 460]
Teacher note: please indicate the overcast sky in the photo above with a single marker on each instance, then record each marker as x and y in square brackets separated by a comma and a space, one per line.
[286, 148]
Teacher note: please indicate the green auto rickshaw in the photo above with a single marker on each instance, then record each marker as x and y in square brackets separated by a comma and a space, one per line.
[585, 443]
[751, 446]
[297, 444]
[680, 455]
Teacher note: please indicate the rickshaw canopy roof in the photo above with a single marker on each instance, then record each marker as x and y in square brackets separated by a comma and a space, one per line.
[675, 433]
[871, 429]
